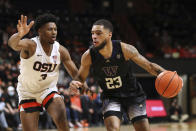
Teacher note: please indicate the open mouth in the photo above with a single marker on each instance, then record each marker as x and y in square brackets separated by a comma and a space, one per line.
[95, 43]
[53, 38]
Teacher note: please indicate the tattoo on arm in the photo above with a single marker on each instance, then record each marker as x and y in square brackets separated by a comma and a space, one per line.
[157, 69]
[132, 53]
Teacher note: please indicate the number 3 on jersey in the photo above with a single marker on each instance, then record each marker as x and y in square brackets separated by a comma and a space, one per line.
[44, 76]
[112, 83]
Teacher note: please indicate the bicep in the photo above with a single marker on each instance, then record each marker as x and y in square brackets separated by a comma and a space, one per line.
[131, 53]
[24, 43]
[84, 67]
[71, 68]
[67, 62]
[83, 72]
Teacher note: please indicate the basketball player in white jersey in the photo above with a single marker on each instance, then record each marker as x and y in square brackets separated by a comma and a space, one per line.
[39, 70]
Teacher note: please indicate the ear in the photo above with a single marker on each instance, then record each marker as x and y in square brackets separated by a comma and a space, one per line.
[39, 31]
[110, 34]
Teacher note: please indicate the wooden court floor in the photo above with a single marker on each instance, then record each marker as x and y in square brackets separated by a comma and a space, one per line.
[185, 126]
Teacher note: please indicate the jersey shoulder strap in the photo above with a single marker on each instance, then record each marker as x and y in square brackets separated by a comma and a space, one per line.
[93, 53]
[116, 48]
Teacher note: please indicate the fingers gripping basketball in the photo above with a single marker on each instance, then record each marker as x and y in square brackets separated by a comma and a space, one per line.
[168, 84]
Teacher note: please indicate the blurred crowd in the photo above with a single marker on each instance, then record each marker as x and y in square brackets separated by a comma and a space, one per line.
[157, 28]
[176, 113]
[165, 27]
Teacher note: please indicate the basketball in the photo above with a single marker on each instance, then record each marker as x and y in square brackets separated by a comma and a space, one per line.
[168, 84]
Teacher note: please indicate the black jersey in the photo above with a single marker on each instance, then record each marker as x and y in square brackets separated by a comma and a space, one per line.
[114, 75]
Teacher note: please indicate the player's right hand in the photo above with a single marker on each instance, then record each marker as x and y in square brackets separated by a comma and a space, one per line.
[74, 87]
[22, 26]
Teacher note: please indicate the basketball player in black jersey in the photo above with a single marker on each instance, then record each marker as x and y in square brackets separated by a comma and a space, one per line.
[110, 63]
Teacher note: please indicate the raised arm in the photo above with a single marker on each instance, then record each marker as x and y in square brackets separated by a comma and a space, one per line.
[130, 52]
[15, 41]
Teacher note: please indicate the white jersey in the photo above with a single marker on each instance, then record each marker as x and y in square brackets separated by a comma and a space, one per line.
[40, 71]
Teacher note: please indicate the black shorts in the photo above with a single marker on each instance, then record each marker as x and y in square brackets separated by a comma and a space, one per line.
[136, 110]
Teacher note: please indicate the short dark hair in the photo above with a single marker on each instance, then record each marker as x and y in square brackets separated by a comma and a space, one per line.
[107, 24]
[43, 19]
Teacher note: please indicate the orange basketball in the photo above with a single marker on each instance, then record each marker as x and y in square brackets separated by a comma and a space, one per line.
[168, 84]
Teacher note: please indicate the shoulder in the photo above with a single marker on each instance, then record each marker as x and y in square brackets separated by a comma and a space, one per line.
[86, 55]
[126, 46]
[86, 58]
[32, 41]
[62, 49]
[29, 42]
[128, 50]
[30, 47]
[64, 53]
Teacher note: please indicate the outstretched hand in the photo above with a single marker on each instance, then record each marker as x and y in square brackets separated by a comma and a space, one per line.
[74, 87]
[22, 26]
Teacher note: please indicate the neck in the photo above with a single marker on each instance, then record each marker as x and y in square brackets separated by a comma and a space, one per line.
[106, 52]
[46, 47]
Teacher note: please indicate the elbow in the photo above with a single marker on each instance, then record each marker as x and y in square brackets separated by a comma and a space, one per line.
[13, 46]
[10, 44]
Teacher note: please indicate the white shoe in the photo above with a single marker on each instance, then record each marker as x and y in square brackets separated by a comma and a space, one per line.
[78, 124]
[184, 117]
[71, 125]
[19, 127]
[174, 117]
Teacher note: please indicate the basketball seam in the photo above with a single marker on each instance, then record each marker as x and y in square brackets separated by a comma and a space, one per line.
[177, 86]
[161, 78]
[169, 83]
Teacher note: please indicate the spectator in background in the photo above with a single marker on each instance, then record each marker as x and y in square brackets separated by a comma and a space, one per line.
[87, 108]
[3, 122]
[76, 109]
[65, 93]
[2, 72]
[97, 107]
[176, 113]
[45, 121]
[11, 109]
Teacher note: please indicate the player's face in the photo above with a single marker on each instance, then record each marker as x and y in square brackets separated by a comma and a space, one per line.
[100, 35]
[48, 32]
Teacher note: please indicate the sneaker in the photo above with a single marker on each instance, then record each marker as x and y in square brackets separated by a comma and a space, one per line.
[78, 124]
[71, 125]
[184, 117]
[19, 127]
[174, 117]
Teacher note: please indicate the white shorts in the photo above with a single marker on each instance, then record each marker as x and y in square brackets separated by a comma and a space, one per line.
[31, 102]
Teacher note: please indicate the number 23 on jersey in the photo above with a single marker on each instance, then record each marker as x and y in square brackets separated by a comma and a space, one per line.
[113, 83]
